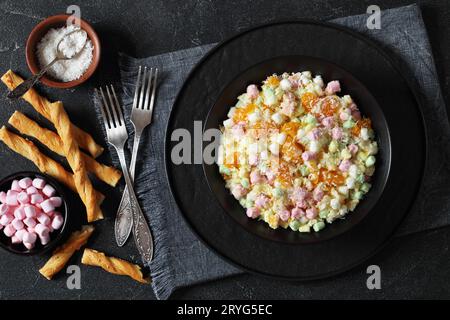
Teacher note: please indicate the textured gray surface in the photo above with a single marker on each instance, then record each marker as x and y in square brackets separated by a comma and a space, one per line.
[144, 28]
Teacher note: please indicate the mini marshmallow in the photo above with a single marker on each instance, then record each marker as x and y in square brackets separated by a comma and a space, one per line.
[15, 240]
[23, 197]
[32, 190]
[31, 230]
[44, 239]
[11, 198]
[2, 196]
[17, 224]
[47, 206]
[41, 229]
[9, 230]
[29, 246]
[25, 182]
[36, 198]
[15, 186]
[19, 234]
[39, 183]
[29, 237]
[49, 191]
[30, 211]
[19, 213]
[57, 221]
[30, 222]
[4, 209]
[44, 219]
[56, 201]
[6, 219]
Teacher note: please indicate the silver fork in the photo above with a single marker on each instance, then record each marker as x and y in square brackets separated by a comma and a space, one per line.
[117, 136]
[141, 117]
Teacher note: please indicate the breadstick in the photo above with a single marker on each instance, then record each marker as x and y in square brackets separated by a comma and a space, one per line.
[84, 186]
[63, 253]
[42, 105]
[113, 265]
[45, 164]
[51, 139]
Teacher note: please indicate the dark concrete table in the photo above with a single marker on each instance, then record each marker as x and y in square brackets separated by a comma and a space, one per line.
[142, 28]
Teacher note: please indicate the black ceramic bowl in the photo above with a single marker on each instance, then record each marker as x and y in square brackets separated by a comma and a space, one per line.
[55, 236]
[368, 107]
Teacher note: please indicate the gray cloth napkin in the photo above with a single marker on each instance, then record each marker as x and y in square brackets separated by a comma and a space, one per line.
[180, 258]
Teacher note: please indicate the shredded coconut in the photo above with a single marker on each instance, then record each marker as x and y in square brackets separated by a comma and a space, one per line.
[65, 70]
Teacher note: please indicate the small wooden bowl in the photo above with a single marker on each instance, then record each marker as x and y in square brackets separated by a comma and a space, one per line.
[40, 30]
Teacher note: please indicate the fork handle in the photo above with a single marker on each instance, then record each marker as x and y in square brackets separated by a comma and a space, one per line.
[142, 234]
[124, 219]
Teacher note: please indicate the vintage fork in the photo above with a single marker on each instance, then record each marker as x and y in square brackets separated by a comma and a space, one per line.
[141, 117]
[117, 136]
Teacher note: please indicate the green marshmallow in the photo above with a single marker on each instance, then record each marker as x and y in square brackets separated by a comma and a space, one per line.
[294, 225]
[318, 226]
[370, 161]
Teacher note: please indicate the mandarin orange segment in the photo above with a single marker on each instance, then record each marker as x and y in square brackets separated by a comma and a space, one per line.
[309, 99]
[363, 123]
[273, 81]
[290, 128]
[292, 151]
[330, 105]
[241, 114]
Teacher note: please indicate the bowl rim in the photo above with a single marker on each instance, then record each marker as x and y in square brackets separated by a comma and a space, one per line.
[311, 237]
[43, 27]
[61, 193]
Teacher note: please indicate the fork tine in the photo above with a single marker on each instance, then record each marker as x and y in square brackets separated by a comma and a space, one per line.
[107, 108]
[147, 92]
[152, 101]
[116, 119]
[119, 109]
[105, 119]
[141, 95]
[136, 88]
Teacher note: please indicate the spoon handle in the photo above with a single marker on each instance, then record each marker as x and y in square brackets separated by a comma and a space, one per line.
[22, 88]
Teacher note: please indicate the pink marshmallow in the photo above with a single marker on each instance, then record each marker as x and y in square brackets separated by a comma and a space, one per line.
[238, 191]
[344, 116]
[11, 198]
[4, 209]
[41, 229]
[336, 133]
[30, 222]
[314, 134]
[318, 194]
[47, 206]
[297, 213]
[311, 213]
[19, 234]
[25, 182]
[345, 165]
[300, 194]
[38, 183]
[17, 224]
[308, 155]
[15, 186]
[29, 246]
[29, 237]
[45, 239]
[32, 190]
[36, 198]
[49, 191]
[19, 213]
[30, 211]
[31, 230]
[333, 87]
[253, 212]
[15, 240]
[6, 219]
[253, 160]
[56, 201]
[328, 122]
[44, 219]
[252, 91]
[356, 115]
[353, 148]
[57, 221]
[23, 197]
[2, 196]
[9, 230]
[256, 177]
[261, 201]
[284, 214]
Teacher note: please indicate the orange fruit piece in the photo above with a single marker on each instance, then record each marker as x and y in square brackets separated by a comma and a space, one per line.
[309, 99]
[330, 105]
[241, 114]
[273, 81]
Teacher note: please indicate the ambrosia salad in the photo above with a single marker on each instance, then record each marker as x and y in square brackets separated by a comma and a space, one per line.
[295, 154]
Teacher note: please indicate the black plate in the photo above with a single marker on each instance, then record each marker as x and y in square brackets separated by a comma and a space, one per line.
[350, 85]
[375, 70]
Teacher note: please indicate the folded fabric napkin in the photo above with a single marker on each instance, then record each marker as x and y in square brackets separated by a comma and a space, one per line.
[180, 258]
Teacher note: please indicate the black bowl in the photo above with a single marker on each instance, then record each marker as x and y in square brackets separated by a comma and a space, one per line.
[368, 107]
[55, 237]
